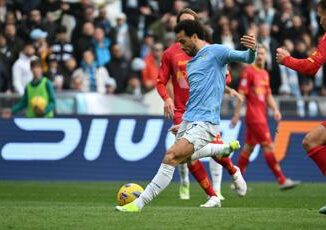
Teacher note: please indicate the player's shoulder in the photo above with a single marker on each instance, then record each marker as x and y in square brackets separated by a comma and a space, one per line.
[217, 47]
[173, 48]
[322, 41]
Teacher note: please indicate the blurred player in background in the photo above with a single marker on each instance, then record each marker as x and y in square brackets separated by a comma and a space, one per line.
[39, 96]
[200, 123]
[315, 141]
[173, 66]
[254, 85]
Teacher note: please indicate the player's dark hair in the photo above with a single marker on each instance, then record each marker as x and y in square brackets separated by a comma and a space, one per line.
[36, 62]
[190, 27]
[322, 4]
[187, 11]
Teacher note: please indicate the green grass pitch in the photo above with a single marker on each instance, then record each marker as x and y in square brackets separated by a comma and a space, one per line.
[90, 205]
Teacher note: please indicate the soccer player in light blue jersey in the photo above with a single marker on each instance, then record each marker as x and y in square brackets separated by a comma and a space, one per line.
[206, 76]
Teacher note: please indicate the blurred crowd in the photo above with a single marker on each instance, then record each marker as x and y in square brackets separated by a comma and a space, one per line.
[81, 49]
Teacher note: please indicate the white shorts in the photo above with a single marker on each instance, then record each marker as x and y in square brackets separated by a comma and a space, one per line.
[199, 133]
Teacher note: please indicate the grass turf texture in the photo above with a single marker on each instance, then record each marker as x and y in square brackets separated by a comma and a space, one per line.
[90, 205]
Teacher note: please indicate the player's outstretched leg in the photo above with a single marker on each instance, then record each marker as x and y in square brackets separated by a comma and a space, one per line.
[284, 183]
[219, 150]
[184, 188]
[178, 153]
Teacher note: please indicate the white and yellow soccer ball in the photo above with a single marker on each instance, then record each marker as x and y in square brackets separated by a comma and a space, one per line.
[128, 193]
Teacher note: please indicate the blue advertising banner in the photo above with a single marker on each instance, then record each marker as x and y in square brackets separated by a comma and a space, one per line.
[126, 148]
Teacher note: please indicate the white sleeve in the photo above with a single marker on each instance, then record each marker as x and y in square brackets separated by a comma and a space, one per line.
[17, 74]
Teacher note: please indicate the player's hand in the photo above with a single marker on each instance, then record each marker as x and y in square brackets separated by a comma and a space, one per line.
[174, 129]
[6, 113]
[234, 121]
[281, 53]
[277, 115]
[234, 93]
[249, 41]
[169, 108]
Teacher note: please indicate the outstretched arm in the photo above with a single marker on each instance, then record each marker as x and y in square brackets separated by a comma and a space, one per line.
[248, 56]
[306, 66]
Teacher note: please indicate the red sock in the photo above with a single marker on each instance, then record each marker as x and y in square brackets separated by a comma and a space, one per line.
[227, 163]
[275, 167]
[243, 161]
[198, 171]
[318, 155]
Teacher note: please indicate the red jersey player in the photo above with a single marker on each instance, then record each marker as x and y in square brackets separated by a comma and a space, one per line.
[254, 85]
[315, 141]
[173, 66]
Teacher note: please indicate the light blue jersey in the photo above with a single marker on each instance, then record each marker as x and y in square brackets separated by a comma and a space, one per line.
[206, 76]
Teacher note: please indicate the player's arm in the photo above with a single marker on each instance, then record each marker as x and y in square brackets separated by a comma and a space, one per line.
[237, 109]
[51, 92]
[162, 81]
[233, 93]
[272, 104]
[247, 56]
[243, 90]
[306, 66]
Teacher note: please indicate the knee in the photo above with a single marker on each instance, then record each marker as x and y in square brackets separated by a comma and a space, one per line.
[170, 158]
[307, 142]
[268, 148]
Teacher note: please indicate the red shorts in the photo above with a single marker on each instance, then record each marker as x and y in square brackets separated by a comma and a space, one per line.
[258, 133]
[324, 124]
[177, 119]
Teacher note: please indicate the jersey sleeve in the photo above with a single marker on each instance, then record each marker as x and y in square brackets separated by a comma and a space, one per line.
[244, 85]
[164, 76]
[247, 56]
[310, 65]
[227, 55]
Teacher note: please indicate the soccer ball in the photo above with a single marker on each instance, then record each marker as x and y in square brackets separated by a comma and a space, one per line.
[38, 102]
[128, 193]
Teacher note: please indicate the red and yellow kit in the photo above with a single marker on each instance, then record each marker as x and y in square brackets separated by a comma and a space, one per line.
[254, 84]
[173, 65]
[310, 65]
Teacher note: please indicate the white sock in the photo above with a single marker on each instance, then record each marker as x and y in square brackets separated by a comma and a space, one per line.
[184, 174]
[210, 150]
[161, 180]
[216, 173]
